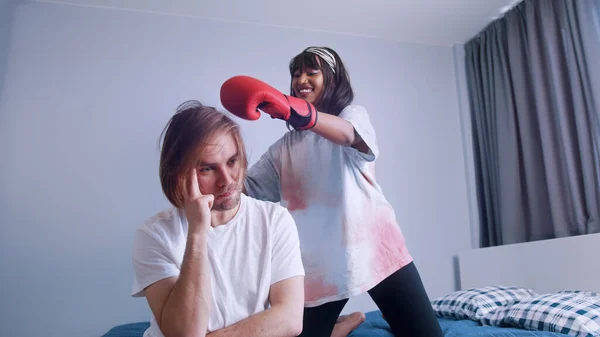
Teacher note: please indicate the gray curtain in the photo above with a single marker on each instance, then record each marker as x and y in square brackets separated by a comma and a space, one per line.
[534, 89]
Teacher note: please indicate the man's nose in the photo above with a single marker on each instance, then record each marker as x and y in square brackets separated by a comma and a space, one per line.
[226, 178]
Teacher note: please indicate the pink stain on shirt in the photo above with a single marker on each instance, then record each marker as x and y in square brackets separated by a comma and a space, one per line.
[293, 193]
[316, 288]
[390, 252]
[365, 288]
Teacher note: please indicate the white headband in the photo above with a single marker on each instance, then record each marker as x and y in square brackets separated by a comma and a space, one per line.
[325, 55]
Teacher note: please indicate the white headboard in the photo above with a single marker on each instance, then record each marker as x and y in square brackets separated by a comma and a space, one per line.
[544, 266]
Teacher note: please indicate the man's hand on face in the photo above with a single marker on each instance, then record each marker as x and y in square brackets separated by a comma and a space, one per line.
[197, 206]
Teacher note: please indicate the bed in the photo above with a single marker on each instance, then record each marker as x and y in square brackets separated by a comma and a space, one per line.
[547, 288]
[375, 326]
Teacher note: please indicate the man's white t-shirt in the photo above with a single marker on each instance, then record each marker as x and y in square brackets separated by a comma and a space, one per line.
[349, 236]
[256, 249]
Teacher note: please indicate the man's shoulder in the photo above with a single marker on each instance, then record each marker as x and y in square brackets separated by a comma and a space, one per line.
[162, 222]
[263, 204]
[269, 216]
[269, 208]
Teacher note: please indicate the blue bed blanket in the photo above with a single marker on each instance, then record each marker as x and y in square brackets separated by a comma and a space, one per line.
[376, 326]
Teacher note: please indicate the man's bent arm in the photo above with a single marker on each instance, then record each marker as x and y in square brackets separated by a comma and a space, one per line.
[181, 305]
[282, 319]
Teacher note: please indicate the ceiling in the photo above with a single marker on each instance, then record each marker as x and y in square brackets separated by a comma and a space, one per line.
[436, 22]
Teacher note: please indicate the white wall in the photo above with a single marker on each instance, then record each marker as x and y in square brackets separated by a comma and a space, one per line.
[6, 16]
[87, 93]
[467, 141]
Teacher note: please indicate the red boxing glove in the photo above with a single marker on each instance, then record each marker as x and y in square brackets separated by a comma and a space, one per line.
[244, 95]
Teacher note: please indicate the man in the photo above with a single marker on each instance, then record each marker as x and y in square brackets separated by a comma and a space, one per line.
[218, 263]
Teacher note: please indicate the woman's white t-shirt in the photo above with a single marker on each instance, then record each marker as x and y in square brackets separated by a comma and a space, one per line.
[349, 237]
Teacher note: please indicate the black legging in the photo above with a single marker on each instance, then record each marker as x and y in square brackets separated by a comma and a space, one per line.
[401, 298]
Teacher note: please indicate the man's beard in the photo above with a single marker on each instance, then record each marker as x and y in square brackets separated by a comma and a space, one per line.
[230, 202]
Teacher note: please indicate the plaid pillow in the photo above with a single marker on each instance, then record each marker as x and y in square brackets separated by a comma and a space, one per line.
[584, 293]
[475, 303]
[568, 313]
